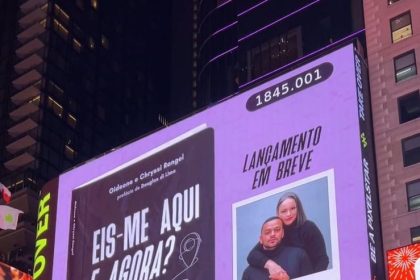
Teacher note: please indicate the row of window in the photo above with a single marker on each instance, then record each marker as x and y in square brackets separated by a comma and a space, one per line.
[401, 28]
[93, 3]
[62, 20]
[408, 107]
[411, 155]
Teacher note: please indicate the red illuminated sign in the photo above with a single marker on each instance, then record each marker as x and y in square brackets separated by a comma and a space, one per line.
[401, 262]
[8, 272]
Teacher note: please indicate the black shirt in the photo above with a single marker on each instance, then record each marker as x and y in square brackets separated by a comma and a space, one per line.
[306, 236]
[293, 260]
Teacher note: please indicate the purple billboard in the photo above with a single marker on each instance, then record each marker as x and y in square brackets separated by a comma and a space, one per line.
[283, 168]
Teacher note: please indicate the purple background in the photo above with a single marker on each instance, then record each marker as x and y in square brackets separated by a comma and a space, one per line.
[331, 104]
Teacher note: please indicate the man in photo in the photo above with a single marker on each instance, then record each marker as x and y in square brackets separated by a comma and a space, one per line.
[294, 261]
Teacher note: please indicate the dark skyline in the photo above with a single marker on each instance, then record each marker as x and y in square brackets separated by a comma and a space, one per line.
[76, 80]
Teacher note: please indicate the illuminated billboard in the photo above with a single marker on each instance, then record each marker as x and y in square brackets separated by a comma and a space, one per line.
[191, 201]
[404, 262]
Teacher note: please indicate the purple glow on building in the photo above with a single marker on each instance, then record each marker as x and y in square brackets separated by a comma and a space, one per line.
[249, 35]
[224, 28]
[278, 20]
[221, 3]
[355, 34]
[212, 11]
[252, 8]
[217, 57]
[217, 32]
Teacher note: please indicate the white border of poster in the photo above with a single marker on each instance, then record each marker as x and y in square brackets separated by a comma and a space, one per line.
[331, 273]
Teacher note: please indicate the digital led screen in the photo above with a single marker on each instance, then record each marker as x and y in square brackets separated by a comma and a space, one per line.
[191, 201]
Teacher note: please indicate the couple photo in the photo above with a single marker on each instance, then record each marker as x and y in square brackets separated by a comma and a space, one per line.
[288, 235]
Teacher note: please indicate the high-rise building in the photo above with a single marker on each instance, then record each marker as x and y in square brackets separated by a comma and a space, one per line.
[77, 78]
[238, 43]
[393, 47]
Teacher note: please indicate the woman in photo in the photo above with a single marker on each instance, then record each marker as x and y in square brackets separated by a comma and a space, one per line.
[298, 232]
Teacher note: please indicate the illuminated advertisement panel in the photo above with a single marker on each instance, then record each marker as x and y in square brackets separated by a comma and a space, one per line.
[404, 262]
[283, 169]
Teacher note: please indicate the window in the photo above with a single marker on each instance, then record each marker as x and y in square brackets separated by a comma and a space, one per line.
[35, 100]
[104, 42]
[71, 120]
[94, 4]
[43, 22]
[55, 89]
[61, 30]
[409, 107]
[57, 108]
[401, 27]
[44, 7]
[415, 234]
[77, 46]
[411, 150]
[61, 14]
[413, 195]
[91, 43]
[69, 152]
[405, 66]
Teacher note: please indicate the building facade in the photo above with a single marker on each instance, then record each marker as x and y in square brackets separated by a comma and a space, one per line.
[240, 43]
[77, 78]
[393, 47]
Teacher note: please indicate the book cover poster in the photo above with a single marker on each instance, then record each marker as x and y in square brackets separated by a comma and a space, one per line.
[151, 219]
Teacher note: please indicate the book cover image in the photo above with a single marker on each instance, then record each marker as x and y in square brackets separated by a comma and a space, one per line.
[150, 219]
